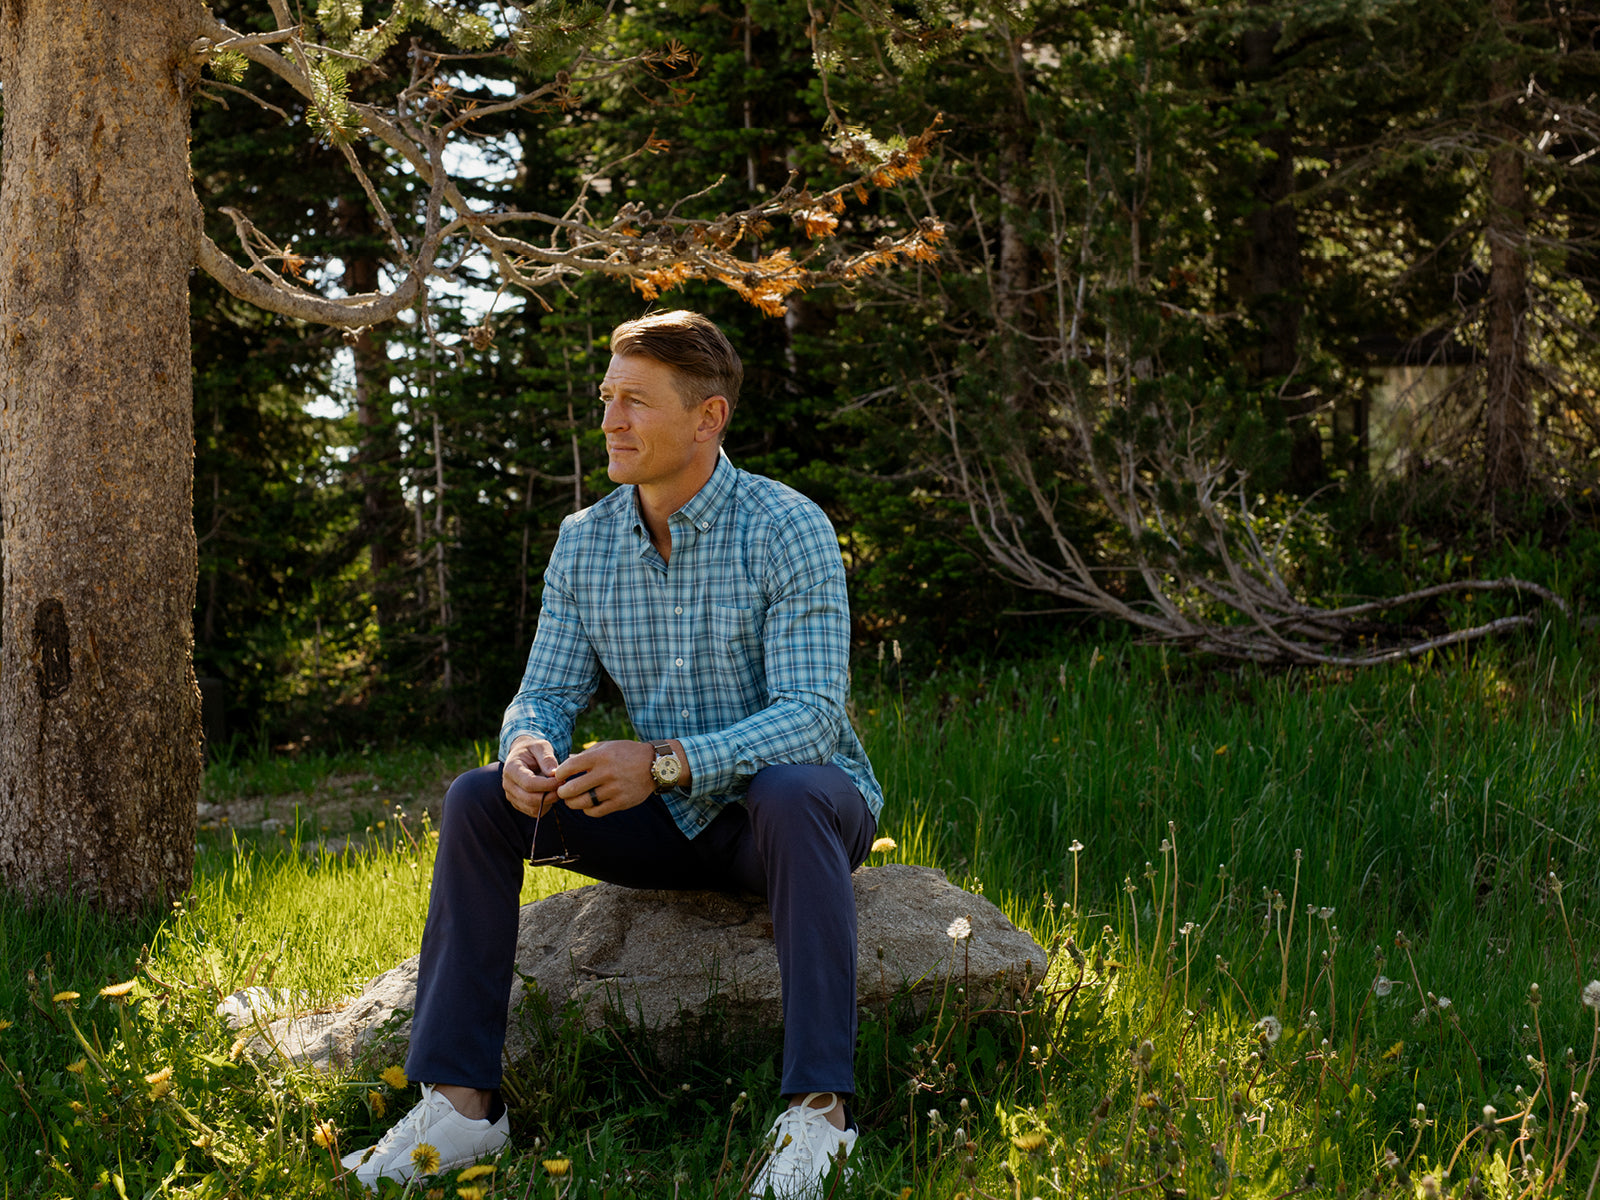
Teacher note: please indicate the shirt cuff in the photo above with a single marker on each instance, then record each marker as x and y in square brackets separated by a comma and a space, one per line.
[713, 765]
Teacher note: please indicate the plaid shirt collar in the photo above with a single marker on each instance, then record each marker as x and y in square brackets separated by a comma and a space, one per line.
[698, 515]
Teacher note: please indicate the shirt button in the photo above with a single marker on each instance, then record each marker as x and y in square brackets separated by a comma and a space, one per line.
[705, 524]
[686, 712]
[680, 662]
[679, 610]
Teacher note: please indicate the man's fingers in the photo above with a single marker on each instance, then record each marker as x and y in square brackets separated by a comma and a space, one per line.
[576, 764]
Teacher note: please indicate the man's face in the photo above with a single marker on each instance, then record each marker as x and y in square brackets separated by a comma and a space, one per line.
[650, 437]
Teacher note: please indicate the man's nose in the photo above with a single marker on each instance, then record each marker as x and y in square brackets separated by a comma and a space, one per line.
[613, 418]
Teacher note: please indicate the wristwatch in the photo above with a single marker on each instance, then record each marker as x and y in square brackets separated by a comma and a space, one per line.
[667, 768]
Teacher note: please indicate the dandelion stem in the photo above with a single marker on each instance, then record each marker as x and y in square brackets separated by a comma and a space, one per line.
[1294, 898]
[727, 1141]
[22, 1094]
[1572, 947]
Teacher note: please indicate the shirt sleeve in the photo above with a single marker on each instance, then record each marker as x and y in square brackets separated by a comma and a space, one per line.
[563, 670]
[805, 644]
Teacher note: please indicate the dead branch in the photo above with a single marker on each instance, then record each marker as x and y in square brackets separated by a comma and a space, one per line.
[655, 254]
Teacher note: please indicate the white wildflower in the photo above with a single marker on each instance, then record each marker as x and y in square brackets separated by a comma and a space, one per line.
[1444, 1003]
[1383, 985]
[959, 928]
[1591, 994]
[1271, 1028]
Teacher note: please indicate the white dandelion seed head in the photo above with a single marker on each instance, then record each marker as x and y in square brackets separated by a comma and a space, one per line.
[958, 929]
[1270, 1027]
[1444, 1002]
[1591, 994]
[1324, 913]
[1076, 846]
[1166, 846]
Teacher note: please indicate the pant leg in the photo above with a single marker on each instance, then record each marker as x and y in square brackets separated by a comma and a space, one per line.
[458, 1028]
[469, 943]
[809, 828]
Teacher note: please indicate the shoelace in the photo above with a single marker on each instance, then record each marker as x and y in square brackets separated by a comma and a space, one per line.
[410, 1126]
[791, 1127]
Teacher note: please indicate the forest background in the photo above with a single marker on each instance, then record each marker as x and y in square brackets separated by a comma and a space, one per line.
[1344, 256]
[1247, 323]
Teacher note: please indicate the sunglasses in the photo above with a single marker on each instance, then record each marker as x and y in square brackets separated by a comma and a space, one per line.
[562, 859]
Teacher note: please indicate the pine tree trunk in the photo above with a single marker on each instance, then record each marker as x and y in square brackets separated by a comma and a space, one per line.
[1274, 272]
[382, 501]
[1507, 420]
[99, 712]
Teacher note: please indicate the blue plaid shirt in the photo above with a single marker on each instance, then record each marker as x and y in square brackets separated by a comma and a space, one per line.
[739, 647]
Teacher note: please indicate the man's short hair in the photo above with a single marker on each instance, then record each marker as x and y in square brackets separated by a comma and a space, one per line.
[703, 361]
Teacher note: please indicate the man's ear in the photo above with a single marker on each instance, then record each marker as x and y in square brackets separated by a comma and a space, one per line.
[713, 419]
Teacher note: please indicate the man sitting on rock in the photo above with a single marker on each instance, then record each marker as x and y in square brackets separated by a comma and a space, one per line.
[716, 600]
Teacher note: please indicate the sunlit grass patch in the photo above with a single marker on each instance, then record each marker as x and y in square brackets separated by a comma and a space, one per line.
[1283, 911]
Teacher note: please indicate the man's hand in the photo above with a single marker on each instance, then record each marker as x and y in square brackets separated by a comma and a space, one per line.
[606, 778]
[528, 775]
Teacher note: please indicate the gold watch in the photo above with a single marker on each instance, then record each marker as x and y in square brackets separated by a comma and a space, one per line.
[667, 768]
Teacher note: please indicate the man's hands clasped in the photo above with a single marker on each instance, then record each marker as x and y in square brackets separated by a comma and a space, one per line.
[608, 777]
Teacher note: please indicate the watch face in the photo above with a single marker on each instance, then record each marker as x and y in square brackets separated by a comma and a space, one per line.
[666, 769]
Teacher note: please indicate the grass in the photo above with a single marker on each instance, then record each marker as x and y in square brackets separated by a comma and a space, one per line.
[1299, 907]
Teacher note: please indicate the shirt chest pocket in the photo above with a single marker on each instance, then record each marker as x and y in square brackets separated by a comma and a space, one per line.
[738, 653]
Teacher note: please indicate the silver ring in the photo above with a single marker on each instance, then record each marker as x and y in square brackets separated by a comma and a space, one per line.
[594, 799]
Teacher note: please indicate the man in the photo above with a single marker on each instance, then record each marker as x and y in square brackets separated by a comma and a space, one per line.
[716, 600]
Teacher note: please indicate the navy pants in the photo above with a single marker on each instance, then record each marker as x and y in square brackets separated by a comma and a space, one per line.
[799, 833]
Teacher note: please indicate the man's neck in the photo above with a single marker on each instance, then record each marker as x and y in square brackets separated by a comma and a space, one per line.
[658, 501]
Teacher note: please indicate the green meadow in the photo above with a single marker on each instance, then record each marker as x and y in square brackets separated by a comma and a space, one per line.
[1309, 933]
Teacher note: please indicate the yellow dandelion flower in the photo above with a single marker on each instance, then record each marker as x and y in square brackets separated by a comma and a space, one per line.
[477, 1172]
[160, 1082]
[79, 1107]
[377, 1103]
[395, 1077]
[4, 1024]
[470, 1193]
[323, 1135]
[884, 844]
[557, 1166]
[77, 1067]
[425, 1159]
[63, 997]
[236, 1049]
[116, 990]
[1029, 1143]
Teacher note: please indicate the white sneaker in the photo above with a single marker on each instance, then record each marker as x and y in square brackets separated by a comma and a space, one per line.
[455, 1140]
[805, 1146]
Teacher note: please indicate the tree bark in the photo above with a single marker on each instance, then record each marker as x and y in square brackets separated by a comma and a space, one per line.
[1507, 420]
[99, 712]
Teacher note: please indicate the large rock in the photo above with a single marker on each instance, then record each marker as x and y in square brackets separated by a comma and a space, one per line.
[661, 959]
